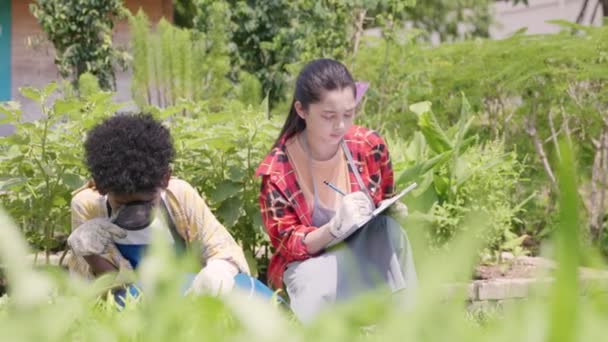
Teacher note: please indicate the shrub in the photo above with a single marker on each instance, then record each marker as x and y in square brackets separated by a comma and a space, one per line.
[81, 32]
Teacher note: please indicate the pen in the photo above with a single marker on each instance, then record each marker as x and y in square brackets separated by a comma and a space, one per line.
[335, 188]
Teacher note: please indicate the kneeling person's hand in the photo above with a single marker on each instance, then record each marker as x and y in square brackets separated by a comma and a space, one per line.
[217, 278]
[94, 236]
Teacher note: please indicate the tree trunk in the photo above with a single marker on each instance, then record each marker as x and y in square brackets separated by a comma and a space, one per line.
[598, 185]
[540, 151]
[604, 4]
[581, 13]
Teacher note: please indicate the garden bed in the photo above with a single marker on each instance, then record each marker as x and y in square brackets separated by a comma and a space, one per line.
[519, 277]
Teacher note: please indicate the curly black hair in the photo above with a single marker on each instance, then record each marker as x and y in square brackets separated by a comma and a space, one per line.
[129, 153]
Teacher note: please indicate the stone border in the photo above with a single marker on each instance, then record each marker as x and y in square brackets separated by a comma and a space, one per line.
[517, 288]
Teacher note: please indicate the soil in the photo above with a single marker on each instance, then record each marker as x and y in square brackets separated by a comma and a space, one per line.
[520, 267]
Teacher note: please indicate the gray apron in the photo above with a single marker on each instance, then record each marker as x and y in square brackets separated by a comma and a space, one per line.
[377, 255]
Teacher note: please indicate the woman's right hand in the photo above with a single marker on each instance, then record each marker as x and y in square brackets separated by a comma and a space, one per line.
[354, 209]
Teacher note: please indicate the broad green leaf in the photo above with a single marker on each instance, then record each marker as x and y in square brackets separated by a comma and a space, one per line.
[59, 201]
[65, 106]
[31, 93]
[48, 89]
[73, 181]
[413, 173]
[416, 148]
[230, 211]
[421, 107]
[10, 112]
[236, 173]
[103, 96]
[434, 134]
[225, 189]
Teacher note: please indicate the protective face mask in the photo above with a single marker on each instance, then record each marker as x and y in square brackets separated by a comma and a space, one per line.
[134, 216]
[140, 219]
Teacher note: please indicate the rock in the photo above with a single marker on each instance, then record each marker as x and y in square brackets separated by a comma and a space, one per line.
[498, 289]
[470, 290]
[538, 262]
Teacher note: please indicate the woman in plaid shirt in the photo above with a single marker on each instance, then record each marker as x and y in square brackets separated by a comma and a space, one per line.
[321, 254]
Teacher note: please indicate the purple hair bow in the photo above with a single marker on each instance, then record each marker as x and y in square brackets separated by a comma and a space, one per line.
[361, 89]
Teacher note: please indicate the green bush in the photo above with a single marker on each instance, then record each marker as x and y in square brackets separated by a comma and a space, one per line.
[41, 162]
[81, 32]
[218, 148]
[527, 91]
[494, 176]
[458, 175]
[172, 63]
[271, 39]
[218, 151]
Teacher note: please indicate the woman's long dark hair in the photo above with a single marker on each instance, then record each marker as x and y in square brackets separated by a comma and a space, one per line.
[316, 77]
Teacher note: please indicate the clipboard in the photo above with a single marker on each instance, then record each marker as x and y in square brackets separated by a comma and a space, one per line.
[387, 203]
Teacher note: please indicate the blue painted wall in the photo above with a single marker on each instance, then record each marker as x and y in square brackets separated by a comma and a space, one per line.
[5, 50]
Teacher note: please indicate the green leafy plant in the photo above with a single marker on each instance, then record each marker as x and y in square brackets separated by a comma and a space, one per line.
[527, 92]
[218, 152]
[273, 38]
[41, 162]
[173, 63]
[458, 176]
[81, 32]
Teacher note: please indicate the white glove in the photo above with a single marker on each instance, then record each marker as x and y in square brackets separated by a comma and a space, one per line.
[354, 209]
[217, 278]
[94, 236]
[397, 210]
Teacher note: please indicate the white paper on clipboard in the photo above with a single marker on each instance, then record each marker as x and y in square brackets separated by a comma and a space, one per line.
[387, 203]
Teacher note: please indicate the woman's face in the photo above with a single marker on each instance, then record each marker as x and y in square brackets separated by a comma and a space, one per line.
[329, 119]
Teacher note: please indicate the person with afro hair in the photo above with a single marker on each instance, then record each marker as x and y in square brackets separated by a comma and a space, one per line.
[131, 191]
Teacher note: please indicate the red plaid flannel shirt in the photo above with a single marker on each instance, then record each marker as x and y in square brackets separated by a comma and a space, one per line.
[285, 213]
